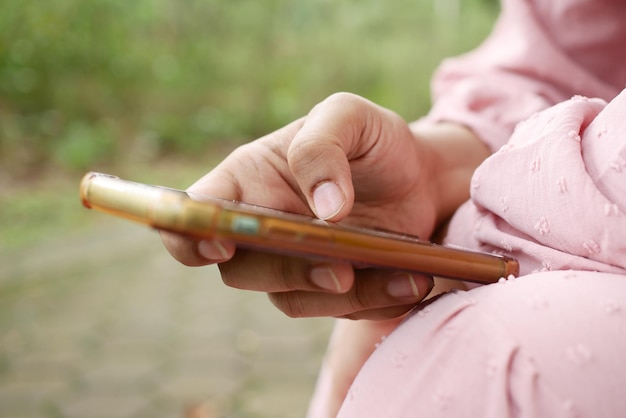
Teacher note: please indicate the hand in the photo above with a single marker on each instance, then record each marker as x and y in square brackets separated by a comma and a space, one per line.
[347, 159]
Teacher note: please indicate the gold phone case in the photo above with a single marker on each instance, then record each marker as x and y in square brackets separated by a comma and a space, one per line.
[271, 230]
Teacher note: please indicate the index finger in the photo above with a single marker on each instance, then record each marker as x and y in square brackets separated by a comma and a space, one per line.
[255, 173]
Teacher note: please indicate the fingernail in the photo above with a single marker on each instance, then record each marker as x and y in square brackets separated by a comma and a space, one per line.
[403, 286]
[212, 250]
[328, 200]
[325, 278]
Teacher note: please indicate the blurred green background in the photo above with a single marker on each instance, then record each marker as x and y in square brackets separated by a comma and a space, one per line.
[123, 85]
[159, 91]
[87, 82]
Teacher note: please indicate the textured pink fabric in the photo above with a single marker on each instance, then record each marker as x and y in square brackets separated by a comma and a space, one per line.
[538, 54]
[552, 342]
[554, 197]
[547, 345]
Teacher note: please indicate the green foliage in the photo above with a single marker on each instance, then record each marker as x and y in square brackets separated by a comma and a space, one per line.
[83, 145]
[85, 82]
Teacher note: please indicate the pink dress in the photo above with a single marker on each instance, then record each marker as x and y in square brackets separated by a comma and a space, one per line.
[551, 343]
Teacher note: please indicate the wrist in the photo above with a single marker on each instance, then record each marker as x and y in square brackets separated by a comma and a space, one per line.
[454, 153]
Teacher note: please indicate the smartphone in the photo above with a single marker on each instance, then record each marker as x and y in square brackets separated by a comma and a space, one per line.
[271, 230]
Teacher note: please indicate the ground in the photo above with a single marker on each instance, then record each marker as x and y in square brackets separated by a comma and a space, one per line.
[101, 322]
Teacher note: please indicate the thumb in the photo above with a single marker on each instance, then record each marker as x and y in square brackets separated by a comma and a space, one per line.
[318, 156]
[328, 201]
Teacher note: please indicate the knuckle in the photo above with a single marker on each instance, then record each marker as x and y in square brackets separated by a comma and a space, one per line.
[286, 274]
[252, 270]
[304, 144]
[290, 303]
[359, 298]
[366, 294]
[354, 316]
[229, 278]
[182, 249]
[343, 98]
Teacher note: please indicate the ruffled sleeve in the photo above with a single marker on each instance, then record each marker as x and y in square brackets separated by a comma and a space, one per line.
[538, 54]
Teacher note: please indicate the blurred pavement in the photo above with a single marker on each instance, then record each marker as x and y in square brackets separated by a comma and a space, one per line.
[103, 323]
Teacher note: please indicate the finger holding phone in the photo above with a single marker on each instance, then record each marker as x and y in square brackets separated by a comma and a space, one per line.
[347, 160]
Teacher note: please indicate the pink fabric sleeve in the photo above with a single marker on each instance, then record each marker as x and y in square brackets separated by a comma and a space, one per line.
[538, 54]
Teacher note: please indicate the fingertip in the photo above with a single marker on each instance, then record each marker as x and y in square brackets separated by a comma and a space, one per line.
[216, 251]
[328, 200]
[335, 278]
[409, 286]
